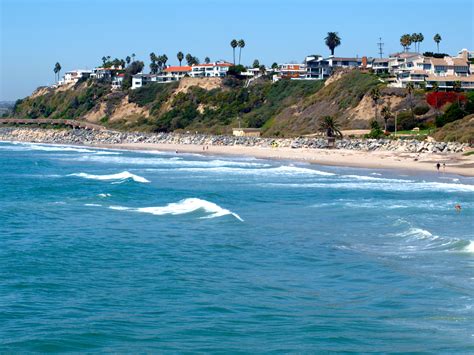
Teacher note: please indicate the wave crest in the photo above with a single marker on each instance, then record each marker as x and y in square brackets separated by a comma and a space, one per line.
[185, 206]
[124, 175]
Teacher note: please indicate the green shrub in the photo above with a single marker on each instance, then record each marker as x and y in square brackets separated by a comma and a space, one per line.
[375, 130]
[421, 110]
[453, 113]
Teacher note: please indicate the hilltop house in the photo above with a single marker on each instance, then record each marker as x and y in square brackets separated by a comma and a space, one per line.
[216, 69]
[420, 70]
[319, 68]
[73, 76]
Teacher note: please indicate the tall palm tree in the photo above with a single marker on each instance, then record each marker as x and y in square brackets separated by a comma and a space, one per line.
[164, 59]
[207, 60]
[332, 40]
[241, 45]
[375, 95]
[189, 59]
[128, 59]
[234, 45]
[57, 70]
[180, 57]
[331, 127]
[133, 57]
[437, 38]
[386, 114]
[405, 41]
[420, 39]
[414, 39]
[410, 89]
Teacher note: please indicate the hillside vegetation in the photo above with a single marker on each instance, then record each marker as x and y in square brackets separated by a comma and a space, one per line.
[214, 105]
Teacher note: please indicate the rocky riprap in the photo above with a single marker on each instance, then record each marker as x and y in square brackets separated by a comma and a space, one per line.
[90, 137]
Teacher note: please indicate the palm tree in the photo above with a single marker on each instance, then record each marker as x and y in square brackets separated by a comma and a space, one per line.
[57, 70]
[128, 59]
[410, 88]
[457, 86]
[133, 57]
[104, 59]
[164, 59]
[207, 60]
[180, 57]
[386, 114]
[332, 41]
[241, 45]
[234, 45]
[405, 41]
[375, 95]
[331, 127]
[437, 38]
[414, 39]
[420, 39]
[189, 59]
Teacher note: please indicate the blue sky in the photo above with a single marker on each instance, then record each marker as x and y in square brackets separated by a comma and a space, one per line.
[35, 34]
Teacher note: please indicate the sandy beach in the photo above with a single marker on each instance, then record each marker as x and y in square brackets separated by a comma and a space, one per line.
[454, 163]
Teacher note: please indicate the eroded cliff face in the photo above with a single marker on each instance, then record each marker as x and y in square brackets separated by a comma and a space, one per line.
[213, 105]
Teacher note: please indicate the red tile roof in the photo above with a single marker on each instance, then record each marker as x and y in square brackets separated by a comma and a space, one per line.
[174, 69]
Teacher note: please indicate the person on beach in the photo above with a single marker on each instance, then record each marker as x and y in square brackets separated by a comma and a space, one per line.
[444, 166]
[438, 165]
[457, 206]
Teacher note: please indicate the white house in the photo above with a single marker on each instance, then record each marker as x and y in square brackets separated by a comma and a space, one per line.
[216, 69]
[73, 76]
[174, 73]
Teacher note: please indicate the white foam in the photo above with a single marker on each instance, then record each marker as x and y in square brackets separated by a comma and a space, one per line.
[104, 195]
[371, 178]
[187, 205]
[119, 176]
[92, 205]
[469, 248]
[281, 170]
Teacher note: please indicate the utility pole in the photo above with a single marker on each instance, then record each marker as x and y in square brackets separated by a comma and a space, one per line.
[380, 45]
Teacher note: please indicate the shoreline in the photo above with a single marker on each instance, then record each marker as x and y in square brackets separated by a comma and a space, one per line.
[402, 155]
[456, 163]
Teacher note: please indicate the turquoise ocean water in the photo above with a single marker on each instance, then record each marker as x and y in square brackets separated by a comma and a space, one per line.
[116, 251]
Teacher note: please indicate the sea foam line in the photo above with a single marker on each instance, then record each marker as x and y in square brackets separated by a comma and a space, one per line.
[124, 175]
[185, 206]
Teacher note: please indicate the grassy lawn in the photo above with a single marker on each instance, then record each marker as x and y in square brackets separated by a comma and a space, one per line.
[415, 133]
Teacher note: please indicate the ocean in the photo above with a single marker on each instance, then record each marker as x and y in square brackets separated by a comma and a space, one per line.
[134, 251]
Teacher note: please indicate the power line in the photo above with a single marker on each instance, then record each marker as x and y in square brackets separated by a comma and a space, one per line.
[380, 45]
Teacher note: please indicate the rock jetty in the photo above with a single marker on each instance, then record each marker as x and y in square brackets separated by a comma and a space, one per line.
[92, 137]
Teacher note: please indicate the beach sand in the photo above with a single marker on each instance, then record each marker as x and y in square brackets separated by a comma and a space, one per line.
[455, 163]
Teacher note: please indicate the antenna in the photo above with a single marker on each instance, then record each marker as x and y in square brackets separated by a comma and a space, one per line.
[380, 45]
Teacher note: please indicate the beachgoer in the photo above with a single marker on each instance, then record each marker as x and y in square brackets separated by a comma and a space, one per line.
[457, 206]
[444, 166]
[438, 165]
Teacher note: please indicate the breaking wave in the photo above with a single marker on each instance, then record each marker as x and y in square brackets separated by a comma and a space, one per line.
[125, 175]
[185, 206]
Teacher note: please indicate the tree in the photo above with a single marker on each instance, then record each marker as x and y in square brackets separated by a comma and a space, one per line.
[134, 68]
[414, 39]
[133, 57]
[375, 95]
[153, 65]
[437, 38]
[104, 59]
[180, 57]
[457, 86]
[189, 59]
[128, 60]
[375, 131]
[57, 70]
[256, 64]
[410, 88]
[163, 60]
[234, 45]
[331, 127]
[241, 45]
[332, 40]
[207, 60]
[421, 38]
[275, 65]
[386, 114]
[405, 41]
